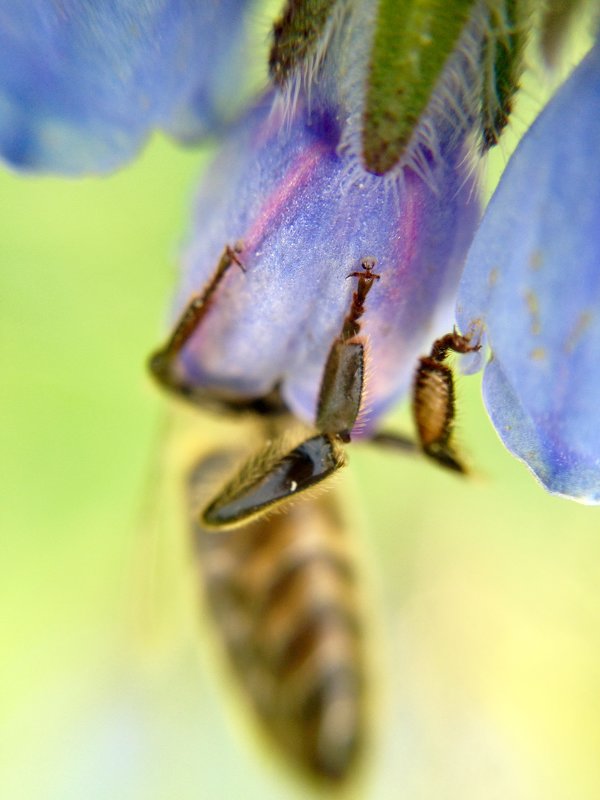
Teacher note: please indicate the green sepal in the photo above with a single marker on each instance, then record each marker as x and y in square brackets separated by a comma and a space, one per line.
[296, 35]
[413, 39]
[502, 65]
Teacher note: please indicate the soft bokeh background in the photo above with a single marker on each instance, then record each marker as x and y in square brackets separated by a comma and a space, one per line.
[485, 593]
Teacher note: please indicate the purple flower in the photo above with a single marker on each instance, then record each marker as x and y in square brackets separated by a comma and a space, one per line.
[82, 84]
[532, 285]
[81, 87]
[289, 185]
[305, 222]
[337, 76]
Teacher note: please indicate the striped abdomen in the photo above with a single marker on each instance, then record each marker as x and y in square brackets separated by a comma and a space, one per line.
[282, 592]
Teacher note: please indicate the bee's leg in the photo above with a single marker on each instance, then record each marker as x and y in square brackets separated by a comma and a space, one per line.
[342, 385]
[272, 477]
[162, 361]
[433, 400]
[341, 388]
[366, 278]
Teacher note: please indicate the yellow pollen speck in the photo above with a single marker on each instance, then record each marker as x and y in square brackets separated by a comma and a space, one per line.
[538, 354]
[533, 305]
[536, 260]
[476, 328]
[581, 325]
[493, 277]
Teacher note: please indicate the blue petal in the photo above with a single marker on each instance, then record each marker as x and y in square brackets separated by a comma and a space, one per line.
[532, 281]
[82, 83]
[306, 222]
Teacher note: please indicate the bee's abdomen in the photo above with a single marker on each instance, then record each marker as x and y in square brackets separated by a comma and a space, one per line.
[282, 592]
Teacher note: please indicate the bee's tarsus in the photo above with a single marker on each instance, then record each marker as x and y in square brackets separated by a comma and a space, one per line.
[452, 342]
[234, 253]
[366, 278]
[162, 362]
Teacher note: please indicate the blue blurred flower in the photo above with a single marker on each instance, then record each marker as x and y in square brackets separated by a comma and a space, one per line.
[532, 286]
[82, 84]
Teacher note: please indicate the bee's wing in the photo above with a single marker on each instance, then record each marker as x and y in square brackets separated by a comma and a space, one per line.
[161, 578]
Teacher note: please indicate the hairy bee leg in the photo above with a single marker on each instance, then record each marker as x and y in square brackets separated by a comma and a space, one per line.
[341, 388]
[342, 385]
[433, 400]
[272, 477]
[366, 278]
[452, 342]
[161, 362]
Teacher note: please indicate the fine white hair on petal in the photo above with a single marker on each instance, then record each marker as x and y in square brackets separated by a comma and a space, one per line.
[452, 112]
[499, 33]
[472, 166]
[307, 75]
[454, 106]
[333, 81]
[354, 175]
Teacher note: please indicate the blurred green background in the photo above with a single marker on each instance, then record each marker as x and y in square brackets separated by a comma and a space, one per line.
[485, 593]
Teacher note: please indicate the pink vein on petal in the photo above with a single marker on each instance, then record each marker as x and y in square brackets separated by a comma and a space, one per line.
[297, 176]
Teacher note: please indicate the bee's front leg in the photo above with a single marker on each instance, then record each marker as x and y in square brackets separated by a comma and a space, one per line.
[162, 361]
[434, 401]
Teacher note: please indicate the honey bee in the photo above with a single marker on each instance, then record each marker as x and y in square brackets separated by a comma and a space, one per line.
[278, 575]
[283, 591]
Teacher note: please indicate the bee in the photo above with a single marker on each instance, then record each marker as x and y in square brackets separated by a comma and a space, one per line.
[284, 593]
[277, 568]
